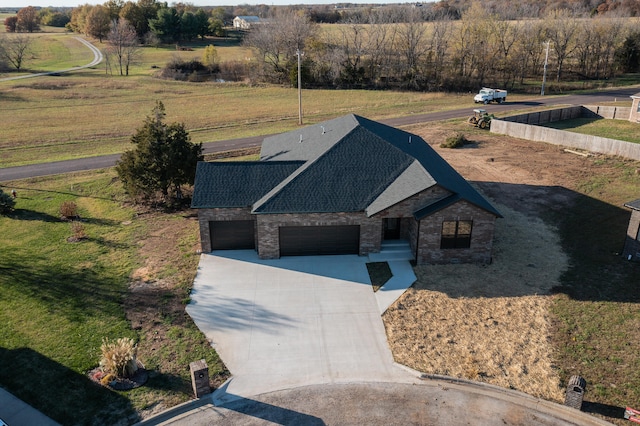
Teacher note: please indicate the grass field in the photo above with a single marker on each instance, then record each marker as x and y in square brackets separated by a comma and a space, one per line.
[614, 129]
[88, 113]
[60, 298]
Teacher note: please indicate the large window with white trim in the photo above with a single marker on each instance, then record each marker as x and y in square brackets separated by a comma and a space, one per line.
[456, 234]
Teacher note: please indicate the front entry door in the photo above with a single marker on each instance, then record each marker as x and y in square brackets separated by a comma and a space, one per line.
[392, 228]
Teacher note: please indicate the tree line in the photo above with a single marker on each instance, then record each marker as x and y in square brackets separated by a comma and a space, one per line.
[480, 48]
[449, 45]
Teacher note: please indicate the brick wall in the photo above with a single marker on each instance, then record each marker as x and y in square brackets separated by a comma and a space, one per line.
[430, 230]
[206, 215]
[632, 245]
[268, 224]
[371, 228]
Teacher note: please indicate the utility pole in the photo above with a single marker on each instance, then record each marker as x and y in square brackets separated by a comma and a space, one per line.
[298, 54]
[544, 74]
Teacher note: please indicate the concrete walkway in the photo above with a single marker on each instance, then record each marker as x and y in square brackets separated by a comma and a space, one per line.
[295, 321]
[15, 412]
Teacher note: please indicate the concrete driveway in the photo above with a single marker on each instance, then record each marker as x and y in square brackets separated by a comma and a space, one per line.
[304, 340]
[294, 321]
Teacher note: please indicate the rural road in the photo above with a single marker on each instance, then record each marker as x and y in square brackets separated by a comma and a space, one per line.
[97, 58]
[91, 163]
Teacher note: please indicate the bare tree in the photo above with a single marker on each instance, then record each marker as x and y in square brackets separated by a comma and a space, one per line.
[411, 44]
[15, 50]
[561, 30]
[438, 43]
[123, 45]
[382, 38]
[352, 49]
[278, 40]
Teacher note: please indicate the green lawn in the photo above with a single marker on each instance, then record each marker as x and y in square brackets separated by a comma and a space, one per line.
[614, 129]
[88, 113]
[60, 298]
[597, 307]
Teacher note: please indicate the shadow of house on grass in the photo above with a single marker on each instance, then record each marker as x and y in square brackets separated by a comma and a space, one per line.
[23, 214]
[62, 394]
[73, 293]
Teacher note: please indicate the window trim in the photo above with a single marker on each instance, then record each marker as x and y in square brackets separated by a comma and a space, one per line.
[456, 240]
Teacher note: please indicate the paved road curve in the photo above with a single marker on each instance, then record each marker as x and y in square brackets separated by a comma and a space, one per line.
[97, 58]
[91, 163]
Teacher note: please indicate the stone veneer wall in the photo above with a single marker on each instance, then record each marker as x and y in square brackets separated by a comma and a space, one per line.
[632, 243]
[206, 215]
[269, 236]
[430, 230]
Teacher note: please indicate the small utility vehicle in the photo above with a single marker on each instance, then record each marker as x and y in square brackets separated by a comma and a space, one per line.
[480, 118]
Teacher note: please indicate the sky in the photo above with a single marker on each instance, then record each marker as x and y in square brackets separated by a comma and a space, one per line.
[74, 3]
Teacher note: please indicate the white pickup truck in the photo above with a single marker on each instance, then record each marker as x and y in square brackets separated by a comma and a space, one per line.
[487, 95]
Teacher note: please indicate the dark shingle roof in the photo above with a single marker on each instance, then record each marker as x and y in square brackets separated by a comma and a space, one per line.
[345, 178]
[342, 165]
[633, 204]
[237, 184]
[436, 166]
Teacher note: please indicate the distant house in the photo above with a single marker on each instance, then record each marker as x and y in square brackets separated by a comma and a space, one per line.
[245, 22]
[632, 243]
[634, 116]
[343, 187]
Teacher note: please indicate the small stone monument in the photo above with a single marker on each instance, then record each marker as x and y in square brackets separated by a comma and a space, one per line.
[575, 392]
[200, 378]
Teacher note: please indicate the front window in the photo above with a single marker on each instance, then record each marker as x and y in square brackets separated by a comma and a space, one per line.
[456, 234]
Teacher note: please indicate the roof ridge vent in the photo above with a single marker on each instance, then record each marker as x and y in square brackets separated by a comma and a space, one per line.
[300, 141]
[409, 138]
[323, 131]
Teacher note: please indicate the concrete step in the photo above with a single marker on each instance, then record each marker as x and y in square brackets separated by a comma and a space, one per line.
[392, 250]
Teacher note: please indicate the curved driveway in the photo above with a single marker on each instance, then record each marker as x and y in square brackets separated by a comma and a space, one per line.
[43, 169]
[306, 345]
[97, 58]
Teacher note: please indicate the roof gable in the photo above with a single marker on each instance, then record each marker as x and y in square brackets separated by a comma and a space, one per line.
[413, 180]
[345, 178]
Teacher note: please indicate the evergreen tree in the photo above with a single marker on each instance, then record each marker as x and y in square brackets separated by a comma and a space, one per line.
[163, 160]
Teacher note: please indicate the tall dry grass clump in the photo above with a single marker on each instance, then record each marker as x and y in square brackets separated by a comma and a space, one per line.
[119, 357]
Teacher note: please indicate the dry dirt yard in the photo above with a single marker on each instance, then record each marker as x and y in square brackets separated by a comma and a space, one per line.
[491, 323]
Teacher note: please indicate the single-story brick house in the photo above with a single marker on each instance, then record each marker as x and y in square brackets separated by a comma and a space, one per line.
[343, 186]
[632, 243]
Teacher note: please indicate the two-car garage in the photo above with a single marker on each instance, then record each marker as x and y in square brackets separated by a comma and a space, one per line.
[316, 240]
[293, 240]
